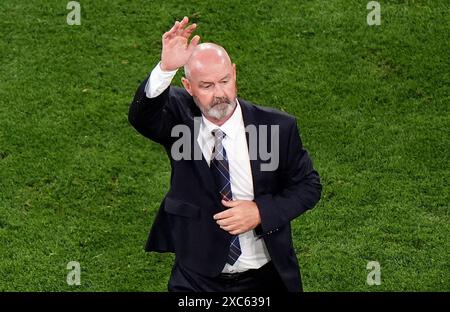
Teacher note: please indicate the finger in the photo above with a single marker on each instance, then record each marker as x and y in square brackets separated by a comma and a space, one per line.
[194, 43]
[232, 227]
[174, 27]
[184, 21]
[236, 231]
[222, 215]
[169, 34]
[226, 221]
[188, 31]
[229, 203]
[166, 36]
[181, 25]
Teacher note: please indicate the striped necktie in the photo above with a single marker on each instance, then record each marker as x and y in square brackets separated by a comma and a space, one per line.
[221, 173]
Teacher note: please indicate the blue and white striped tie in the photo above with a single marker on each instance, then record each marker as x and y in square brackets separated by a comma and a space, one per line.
[221, 173]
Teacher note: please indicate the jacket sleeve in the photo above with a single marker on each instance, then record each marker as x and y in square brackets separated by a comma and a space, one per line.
[153, 117]
[301, 192]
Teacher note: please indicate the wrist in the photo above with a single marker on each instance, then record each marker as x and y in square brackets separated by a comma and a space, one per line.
[164, 68]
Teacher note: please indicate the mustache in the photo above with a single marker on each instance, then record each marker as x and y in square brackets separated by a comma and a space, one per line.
[220, 100]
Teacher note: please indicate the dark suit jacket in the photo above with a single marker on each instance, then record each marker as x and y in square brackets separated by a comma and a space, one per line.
[184, 223]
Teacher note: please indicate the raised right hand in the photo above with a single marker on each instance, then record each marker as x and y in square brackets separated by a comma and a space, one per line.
[175, 49]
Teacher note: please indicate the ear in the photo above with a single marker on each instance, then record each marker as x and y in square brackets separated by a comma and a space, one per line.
[187, 85]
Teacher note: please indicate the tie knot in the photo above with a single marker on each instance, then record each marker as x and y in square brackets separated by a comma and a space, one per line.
[218, 134]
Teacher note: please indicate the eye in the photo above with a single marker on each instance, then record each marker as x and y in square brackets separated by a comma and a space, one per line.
[224, 81]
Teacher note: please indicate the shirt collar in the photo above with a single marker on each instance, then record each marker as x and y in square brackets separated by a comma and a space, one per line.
[230, 127]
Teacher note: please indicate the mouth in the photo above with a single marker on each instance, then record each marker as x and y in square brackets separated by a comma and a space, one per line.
[219, 103]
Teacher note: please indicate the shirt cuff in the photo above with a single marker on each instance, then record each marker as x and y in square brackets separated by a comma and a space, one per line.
[159, 81]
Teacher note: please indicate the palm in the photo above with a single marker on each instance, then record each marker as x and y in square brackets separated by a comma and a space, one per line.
[176, 50]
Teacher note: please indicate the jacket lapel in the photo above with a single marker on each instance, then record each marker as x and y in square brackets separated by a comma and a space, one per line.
[200, 164]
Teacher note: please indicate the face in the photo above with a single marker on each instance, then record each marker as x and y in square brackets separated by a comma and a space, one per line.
[214, 90]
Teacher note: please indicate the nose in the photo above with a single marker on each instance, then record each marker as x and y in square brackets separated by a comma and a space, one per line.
[219, 91]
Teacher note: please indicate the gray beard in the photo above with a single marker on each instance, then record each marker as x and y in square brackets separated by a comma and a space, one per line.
[217, 111]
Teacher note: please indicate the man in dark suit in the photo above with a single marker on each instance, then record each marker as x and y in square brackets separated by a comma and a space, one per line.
[228, 211]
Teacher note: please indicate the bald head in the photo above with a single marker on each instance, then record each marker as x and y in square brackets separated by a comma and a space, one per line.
[205, 58]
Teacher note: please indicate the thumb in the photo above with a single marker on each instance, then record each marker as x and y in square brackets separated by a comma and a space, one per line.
[194, 43]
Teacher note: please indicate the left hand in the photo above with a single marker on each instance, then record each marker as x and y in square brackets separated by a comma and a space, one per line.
[241, 216]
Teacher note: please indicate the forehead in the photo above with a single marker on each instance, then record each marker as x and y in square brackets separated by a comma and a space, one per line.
[211, 72]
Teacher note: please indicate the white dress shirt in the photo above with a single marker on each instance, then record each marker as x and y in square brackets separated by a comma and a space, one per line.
[254, 251]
